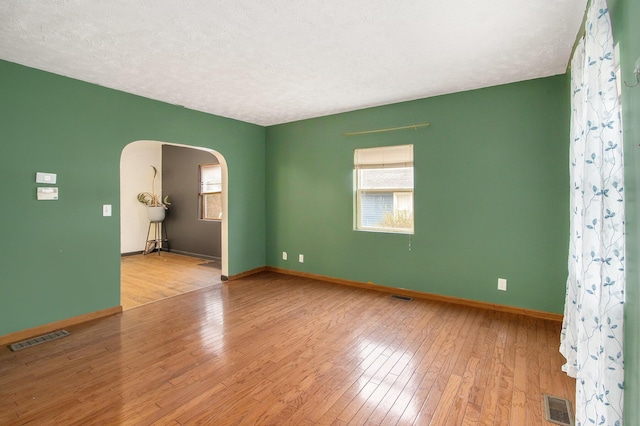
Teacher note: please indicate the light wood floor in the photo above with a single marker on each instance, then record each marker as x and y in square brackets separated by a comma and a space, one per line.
[275, 349]
[149, 278]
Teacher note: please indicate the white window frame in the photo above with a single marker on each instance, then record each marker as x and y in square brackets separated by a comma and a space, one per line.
[399, 156]
[209, 188]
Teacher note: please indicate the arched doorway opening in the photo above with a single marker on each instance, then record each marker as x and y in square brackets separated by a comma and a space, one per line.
[135, 177]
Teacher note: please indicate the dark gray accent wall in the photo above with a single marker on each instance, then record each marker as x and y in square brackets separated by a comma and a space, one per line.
[180, 180]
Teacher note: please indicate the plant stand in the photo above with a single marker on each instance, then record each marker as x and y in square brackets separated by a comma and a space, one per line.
[159, 240]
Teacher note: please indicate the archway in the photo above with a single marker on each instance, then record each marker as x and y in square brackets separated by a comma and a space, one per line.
[135, 159]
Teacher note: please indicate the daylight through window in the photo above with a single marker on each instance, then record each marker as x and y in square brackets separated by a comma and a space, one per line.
[210, 192]
[384, 189]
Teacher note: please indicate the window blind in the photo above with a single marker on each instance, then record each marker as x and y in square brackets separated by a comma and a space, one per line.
[384, 157]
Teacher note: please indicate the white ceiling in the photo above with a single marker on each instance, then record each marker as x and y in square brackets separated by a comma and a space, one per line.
[271, 62]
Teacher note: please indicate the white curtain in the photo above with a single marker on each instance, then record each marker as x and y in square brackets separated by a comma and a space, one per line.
[592, 331]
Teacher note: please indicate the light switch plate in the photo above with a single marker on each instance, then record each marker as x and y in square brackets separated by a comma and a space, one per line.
[106, 210]
[42, 177]
[502, 284]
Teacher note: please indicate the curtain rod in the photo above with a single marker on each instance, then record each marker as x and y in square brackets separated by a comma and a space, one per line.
[390, 129]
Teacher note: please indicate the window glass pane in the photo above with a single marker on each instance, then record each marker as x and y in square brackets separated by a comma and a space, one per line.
[374, 207]
[386, 210]
[384, 189]
[210, 192]
[212, 206]
[396, 178]
[210, 178]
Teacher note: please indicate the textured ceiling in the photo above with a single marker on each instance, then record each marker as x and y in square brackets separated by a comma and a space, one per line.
[271, 62]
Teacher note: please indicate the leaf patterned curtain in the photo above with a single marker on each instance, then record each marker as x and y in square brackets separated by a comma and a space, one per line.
[592, 331]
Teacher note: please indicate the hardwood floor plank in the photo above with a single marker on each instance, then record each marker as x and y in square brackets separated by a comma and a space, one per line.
[461, 399]
[276, 349]
[395, 401]
[149, 278]
[519, 398]
[505, 390]
[407, 403]
[441, 415]
[439, 372]
[533, 395]
[490, 400]
[372, 402]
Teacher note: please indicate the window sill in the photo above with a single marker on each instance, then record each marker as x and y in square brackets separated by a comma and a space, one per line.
[386, 231]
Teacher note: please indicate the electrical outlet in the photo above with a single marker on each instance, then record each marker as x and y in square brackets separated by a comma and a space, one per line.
[301, 258]
[502, 284]
[284, 255]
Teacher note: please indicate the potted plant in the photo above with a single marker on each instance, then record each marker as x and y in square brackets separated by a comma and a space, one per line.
[155, 207]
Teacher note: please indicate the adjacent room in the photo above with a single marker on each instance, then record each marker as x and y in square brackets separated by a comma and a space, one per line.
[185, 226]
[368, 213]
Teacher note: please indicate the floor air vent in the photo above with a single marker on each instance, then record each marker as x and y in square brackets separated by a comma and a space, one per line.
[558, 410]
[398, 296]
[37, 340]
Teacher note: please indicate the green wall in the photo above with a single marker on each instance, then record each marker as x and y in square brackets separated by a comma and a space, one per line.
[59, 259]
[491, 195]
[625, 17]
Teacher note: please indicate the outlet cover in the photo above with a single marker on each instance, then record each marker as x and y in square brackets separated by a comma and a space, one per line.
[502, 284]
[301, 258]
[284, 255]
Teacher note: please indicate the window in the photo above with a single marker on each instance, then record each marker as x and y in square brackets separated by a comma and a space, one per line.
[384, 189]
[210, 192]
